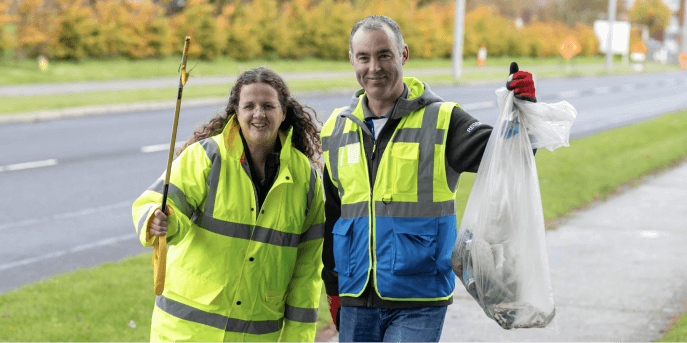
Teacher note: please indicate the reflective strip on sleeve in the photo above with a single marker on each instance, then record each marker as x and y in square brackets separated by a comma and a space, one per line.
[174, 193]
[337, 140]
[311, 191]
[302, 315]
[314, 232]
[185, 312]
[212, 152]
[142, 220]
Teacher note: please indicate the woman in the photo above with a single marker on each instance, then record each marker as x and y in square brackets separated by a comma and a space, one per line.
[246, 222]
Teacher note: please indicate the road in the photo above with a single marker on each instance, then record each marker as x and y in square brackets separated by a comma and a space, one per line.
[67, 185]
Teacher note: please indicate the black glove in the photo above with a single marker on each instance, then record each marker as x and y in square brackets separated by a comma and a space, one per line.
[521, 83]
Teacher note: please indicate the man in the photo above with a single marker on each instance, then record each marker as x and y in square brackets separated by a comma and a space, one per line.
[393, 158]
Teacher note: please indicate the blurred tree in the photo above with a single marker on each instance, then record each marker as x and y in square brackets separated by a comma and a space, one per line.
[573, 11]
[332, 23]
[235, 33]
[652, 13]
[75, 30]
[196, 20]
[6, 41]
[32, 29]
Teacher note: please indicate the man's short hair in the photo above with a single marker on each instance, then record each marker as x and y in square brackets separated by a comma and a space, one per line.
[377, 22]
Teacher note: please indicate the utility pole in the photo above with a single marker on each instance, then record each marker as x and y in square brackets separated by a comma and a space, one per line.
[458, 33]
[609, 40]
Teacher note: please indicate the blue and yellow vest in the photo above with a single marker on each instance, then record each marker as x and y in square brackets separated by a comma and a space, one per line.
[409, 216]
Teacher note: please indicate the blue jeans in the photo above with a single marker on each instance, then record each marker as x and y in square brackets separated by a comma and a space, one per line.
[370, 324]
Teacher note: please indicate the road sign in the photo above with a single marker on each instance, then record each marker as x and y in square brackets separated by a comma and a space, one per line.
[569, 47]
[683, 60]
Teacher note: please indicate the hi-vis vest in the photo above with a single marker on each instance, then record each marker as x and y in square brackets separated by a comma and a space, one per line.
[408, 218]
[235, 274]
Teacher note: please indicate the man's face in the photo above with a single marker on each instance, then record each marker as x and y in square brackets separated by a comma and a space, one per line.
[378, 64]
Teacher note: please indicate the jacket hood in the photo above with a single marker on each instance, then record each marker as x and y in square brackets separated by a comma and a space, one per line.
[419, 95]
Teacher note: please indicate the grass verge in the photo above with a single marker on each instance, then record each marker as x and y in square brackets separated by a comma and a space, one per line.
[27, 71]
[98, 304]
[678, 331]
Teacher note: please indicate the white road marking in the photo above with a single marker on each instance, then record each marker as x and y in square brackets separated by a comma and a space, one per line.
[73, 250]
[29, 165]
[478, 105]
[629, 87]
[161, 147]
[83, 212]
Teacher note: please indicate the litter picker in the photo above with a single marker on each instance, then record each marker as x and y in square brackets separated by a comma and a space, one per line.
[160, 244]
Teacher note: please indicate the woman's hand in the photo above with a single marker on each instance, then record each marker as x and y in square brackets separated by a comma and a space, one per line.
[158, 226]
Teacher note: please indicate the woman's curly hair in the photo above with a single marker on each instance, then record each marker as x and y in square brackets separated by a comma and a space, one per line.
[306, 135]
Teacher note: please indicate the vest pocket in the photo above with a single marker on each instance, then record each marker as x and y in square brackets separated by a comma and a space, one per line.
[405, 158]
[191, 286]
[275, 300]
[342, 246]
[414, 246]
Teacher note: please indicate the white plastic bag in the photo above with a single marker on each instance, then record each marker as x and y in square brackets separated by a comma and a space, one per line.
[500, 254]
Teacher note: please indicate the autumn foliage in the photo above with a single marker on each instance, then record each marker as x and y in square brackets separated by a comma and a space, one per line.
[74, 29]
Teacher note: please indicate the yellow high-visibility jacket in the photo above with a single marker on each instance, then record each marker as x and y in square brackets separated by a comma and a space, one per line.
[236, 272]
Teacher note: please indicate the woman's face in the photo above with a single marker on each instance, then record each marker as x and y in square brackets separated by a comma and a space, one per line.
[259, 115]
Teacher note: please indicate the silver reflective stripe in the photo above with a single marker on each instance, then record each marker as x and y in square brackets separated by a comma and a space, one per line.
[335, 141]
[413, 134]
[142, 221]
[314, 232]
[428, 141]
[243, 231]
[311, 191]
[339, 140]
[356, 210]
[415, 209]
[212, 152]
[274, 237]
[298, 314]
[185, 312]
[224, 228]
[174, 193]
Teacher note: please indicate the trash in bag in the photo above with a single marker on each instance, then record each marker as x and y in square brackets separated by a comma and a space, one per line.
[500, 254]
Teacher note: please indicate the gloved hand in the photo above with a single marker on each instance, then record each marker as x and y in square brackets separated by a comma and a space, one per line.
[521, 83]
[334, 309]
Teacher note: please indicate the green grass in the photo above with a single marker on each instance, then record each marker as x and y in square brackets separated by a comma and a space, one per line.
[97, 304]
[90, 305]
[678, 331]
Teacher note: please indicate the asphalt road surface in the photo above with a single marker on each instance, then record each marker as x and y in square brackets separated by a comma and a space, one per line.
[67, 185]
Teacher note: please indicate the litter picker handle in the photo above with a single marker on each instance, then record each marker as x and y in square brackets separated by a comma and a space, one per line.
[160, 244]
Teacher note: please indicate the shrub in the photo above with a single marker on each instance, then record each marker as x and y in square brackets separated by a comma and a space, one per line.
[6, 42]
[75, 29]
[32, 29]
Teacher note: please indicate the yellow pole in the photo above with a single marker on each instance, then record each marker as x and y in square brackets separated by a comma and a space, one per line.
[160, 244]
